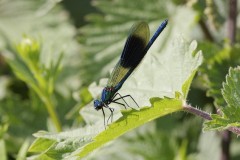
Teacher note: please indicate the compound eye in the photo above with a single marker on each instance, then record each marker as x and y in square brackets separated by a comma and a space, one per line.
[98, 104]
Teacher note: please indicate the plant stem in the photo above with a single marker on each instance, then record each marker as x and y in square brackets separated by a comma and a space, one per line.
[207, 116]
[46, 99]
[232, 20]
[225, 145]
[206, 30]
[52, 113]
[197, 112]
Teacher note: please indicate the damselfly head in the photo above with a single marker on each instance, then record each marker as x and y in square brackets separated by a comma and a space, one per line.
[98, 104]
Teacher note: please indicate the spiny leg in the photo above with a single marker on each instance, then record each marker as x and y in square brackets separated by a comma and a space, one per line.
[111, 110]
[120, 104]
[122, 97]
[111, 116]
[125, 101]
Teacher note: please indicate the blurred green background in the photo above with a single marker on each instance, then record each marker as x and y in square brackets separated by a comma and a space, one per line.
[90, 36]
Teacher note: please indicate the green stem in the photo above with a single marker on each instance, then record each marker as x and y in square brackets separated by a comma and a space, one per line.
[53, 115]
[46, 99]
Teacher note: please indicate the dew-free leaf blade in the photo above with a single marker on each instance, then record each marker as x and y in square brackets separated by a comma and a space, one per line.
[231, 113]
[132, 119]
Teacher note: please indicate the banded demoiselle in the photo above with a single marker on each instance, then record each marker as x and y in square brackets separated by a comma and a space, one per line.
[136, 47]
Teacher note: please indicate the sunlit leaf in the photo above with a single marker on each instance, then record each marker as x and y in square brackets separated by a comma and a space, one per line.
[148, 85]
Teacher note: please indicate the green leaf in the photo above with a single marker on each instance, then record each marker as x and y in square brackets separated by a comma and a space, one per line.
[48, 21]
[182, 153]
[4, 82]
[21, 116]
[3, 151]
[76, 143]
[84, 97]
[132, 119]
[3, 129]
[216, 70]
[155, 143]
[231, 92]
[231, 113]
[163, 72]
[170, 79]
[36, 18]
[177, 77]
[40, 145]
[23, 150]
[3, 147]
[27, 67]
[198, 59]
[61, 145]
[159, 76]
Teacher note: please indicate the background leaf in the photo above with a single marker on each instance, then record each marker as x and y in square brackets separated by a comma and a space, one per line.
[46, 20]
[107, 32]
[231, 96]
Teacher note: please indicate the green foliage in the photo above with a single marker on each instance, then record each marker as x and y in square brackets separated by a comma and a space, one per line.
[169, 76]
[44, 78]
[84, 97]
[131, 120]
[49, 143]
[107, 32]
[60, 146]
[22, 123]
[230, 113]
[27, 67]
[3, 150]
[20, 117]
[216, 70]
[22, 154]
[46, 21]
[216, 67]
